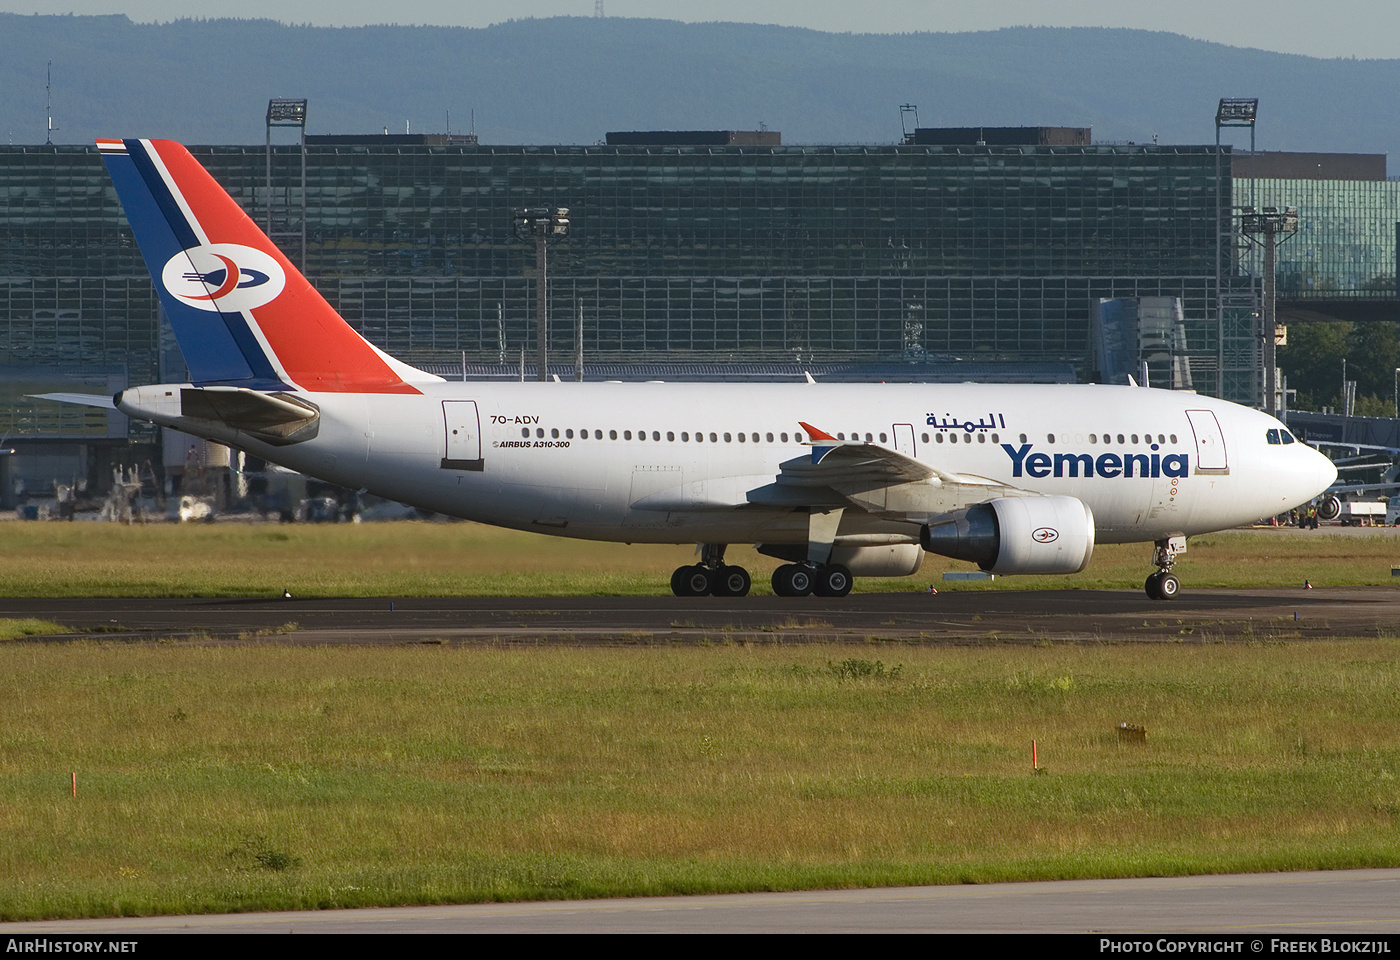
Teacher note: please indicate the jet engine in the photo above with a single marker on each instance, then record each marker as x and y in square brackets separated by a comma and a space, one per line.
[1017, 535]
[880, 560]
[1329, 507]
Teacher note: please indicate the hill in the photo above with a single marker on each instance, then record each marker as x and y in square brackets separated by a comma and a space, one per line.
[572, 79]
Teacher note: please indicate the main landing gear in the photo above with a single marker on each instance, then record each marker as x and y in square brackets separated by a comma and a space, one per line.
[801, 579]
[1163, 585]
[711, 576]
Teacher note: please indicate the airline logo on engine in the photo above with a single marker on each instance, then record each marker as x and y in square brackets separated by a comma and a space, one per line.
[1125, 464]
[223, 276]
[1045, 535]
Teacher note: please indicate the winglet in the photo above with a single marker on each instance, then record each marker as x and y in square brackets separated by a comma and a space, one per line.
[822, 442]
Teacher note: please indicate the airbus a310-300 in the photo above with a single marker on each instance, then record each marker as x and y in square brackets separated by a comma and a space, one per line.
[835, 480]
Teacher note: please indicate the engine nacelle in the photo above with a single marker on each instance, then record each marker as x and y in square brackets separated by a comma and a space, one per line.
[886, 560]
[878, 560]
[1018, 535]
[1329, 507]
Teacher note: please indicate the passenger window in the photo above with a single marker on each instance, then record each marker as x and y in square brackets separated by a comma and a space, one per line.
[685, 438]
[539, 432]
[769, 437]
[1172, 437]
[670, 437]
[1120, 438]
[981, 438]
[569, 434]
[728, 438]
[742, 438]
[524, 431]
[923, 438]
[882, 438]
[938, 438]
[612, 434]
[797, 437]
[656, 434]
[598, 435]
[1135, 438]
[713, 438]
[783, 436]
[554, 432]
[1093, 438]
[627, 434]
[1049, 438]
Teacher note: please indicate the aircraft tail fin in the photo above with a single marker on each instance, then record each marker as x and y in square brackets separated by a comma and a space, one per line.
[242, 313]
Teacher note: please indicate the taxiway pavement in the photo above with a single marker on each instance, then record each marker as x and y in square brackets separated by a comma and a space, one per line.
[962, 617]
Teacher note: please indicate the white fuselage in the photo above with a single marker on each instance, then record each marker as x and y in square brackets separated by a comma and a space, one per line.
[672, 463]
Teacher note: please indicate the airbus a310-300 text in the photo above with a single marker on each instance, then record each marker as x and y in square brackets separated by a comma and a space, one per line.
[834, 480]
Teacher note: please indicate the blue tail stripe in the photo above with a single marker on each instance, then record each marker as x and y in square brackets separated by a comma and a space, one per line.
[217, 346]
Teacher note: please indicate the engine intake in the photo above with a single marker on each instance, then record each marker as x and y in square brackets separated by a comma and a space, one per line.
[1017, 535]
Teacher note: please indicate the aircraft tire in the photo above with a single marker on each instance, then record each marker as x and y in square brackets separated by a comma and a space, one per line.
[1154, 587]
[793, 580]
[1168, 587]
[731, 582]
[833, 580]
[691, 582]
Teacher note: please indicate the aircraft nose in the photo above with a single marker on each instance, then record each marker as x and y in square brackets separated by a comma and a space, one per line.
[1326, 472]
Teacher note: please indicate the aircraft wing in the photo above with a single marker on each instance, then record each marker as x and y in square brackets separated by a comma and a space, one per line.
[875, 479]
[840, 474]
[1360, 487]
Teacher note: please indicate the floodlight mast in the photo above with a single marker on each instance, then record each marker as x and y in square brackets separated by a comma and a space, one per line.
[1275, 226]
[542, 224]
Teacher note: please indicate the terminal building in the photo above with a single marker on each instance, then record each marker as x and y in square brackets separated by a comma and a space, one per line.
[947, 256]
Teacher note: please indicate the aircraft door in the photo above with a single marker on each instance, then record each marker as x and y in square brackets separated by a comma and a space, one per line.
[1211, 456]
[904, 439]
[463, 430]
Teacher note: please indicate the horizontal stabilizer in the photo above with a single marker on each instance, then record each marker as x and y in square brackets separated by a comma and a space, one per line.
[85, 399]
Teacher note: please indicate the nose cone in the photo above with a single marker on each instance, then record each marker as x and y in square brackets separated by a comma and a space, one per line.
[1326, 472]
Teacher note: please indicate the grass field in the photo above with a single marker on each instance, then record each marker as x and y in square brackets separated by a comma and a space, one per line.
[265, 777]
[444, 559]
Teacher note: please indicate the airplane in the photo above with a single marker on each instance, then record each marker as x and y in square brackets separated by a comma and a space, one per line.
[836, 480]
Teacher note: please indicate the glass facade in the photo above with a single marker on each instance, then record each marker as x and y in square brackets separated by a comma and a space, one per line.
[831, 253]
[1345, 247]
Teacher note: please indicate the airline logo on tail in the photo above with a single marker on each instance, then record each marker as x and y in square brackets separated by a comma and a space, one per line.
[223, 276]
[241, 311]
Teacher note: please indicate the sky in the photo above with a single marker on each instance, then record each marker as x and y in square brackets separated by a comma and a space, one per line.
[1342, 28]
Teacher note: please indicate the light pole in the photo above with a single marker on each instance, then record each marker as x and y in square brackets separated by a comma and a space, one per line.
[542, 224]
[1397, 391]
[1273, 224]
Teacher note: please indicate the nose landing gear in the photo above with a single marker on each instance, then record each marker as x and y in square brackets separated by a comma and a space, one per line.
[1163, 585]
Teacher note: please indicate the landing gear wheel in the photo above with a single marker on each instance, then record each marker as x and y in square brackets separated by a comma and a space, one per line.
[691, 581]
[793, 580]
[1163, 586]
[731, 582]
[833, 580]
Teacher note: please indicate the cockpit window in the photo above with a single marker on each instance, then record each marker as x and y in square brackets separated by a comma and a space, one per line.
[1288, 437]
[1273, 438]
